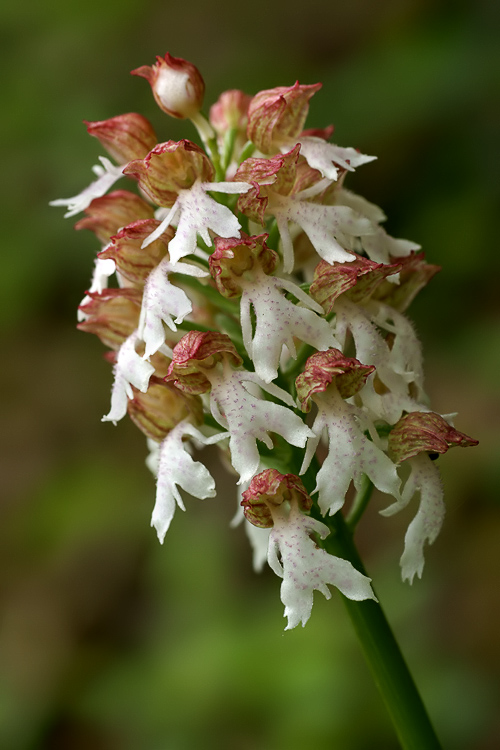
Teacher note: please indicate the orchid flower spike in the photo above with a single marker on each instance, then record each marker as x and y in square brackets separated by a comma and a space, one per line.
[239, 284]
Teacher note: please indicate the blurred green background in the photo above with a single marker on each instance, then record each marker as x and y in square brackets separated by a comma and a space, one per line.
[110, 641]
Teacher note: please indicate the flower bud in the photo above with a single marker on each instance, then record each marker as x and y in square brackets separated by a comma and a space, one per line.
[161, 408]
[425, 432]
[106, 215]
[230, 112]
[125, 137]
[324, 368]
[177, 85]
[268, 490]
[113, 315]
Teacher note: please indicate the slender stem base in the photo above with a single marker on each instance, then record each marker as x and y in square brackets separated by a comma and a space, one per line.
[386, 662]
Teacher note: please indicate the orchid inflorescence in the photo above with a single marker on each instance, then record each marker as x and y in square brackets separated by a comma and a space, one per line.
[251, 284]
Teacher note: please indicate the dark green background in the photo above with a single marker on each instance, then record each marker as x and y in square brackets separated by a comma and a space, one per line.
[109, 641]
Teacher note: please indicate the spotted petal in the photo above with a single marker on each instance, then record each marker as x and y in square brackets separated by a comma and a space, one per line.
[304, 567]
[195, 213]
[426, 525]
[176, 468]
[161, 301]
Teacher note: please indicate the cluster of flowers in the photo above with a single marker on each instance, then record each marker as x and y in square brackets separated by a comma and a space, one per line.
[246, 273]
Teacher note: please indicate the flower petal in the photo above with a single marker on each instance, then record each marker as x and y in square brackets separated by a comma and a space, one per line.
[305, 567]
[108, 174]
[177, 468]
[130, 369]
[426, 525]
[161, 301]
[324, 156]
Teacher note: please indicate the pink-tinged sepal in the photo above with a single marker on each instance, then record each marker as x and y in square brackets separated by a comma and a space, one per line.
[125, 137]
[323, 133]
[278, 171]
[275, 123]
[177, 85]
[196, 355]
[236, 262]
[425, 432]
[161, 408]
[324, 368]
[112, 314]
[275, 175]
[278, 114]
[357, 279]
[414, 275]
[169, 168]
[133, 261]
[106, 215]
[269, 489]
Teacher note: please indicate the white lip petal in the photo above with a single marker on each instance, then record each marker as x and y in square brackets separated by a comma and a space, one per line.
[108, 174]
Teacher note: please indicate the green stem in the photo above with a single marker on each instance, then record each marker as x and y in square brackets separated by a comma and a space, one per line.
[360, 503]
[386, 662]
[247, 151]
[228, 147]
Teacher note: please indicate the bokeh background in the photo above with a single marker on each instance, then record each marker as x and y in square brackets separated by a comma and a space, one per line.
[108, 640]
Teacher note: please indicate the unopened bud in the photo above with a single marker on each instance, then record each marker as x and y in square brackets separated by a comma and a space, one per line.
[177, 85]
[230, 112]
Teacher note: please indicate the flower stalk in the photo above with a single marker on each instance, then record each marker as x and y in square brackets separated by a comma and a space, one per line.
[382, 653]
